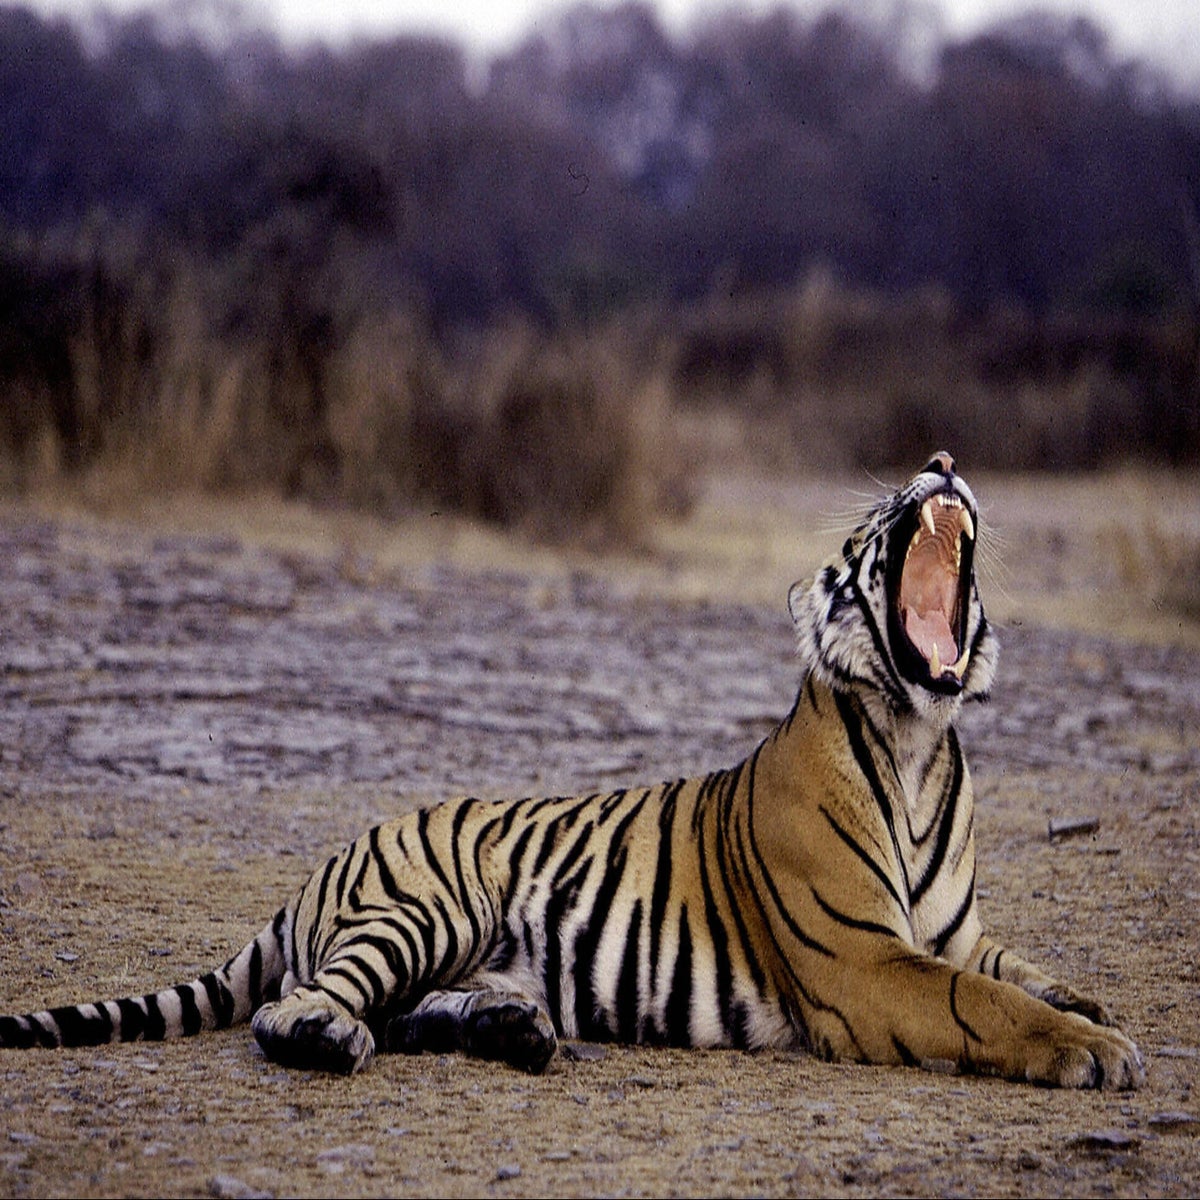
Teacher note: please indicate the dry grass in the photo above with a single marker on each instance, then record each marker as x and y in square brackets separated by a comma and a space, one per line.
[560, 435]
[145, 384]
[835, 377]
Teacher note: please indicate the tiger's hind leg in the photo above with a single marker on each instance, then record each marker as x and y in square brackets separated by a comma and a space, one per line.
[490, 1023]
[309, 1030]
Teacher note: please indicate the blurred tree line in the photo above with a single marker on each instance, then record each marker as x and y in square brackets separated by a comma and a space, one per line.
[174, 202]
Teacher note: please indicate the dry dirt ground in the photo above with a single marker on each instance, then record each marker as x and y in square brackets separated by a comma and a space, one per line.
[201, 701]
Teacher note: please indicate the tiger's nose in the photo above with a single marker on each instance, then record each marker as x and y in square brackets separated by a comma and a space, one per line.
[941, 464]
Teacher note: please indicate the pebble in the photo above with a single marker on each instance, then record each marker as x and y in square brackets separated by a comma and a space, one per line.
[1104, 1141]
[357, 1153]
[1175, 1122]
[230, 1187]
[583, 1051]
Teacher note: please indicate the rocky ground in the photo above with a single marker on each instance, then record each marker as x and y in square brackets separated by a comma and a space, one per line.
[191, 719]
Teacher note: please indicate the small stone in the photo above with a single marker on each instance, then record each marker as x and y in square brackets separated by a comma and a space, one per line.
[940, 1066]
[230, 1187]
[1104, 1141]
[358, 1153]
[582, 1051]
[1175, 1122]
[508, 1171]
[1065, 827]
[27, 884]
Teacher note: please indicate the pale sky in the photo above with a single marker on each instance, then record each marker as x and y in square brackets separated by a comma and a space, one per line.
[1165, 30]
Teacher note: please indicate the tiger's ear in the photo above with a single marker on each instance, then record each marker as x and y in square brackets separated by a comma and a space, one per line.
[796, 597]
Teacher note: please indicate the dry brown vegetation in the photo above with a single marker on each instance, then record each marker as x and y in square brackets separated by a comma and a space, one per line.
[576, 431]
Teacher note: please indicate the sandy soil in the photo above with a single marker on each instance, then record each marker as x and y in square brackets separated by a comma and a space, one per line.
[200, 701]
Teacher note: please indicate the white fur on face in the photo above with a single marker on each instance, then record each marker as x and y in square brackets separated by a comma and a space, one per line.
[841, 616]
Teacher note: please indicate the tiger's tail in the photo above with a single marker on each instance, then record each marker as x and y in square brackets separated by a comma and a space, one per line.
[216, 1000]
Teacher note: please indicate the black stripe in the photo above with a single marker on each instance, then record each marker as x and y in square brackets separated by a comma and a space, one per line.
[562, 900]
[322, 902]
[190, 1021]
[76, 1028]
[708, 786]
[590, 1023]
[918, 837]
[341, 969]
[943, 938]
[851, 922]
[727, 862]
[628, 998]
[588, 1019]
[342, 889]
[906, 1056]
[401, 950]
[383, 864]
[719, 937]
[346, 894]
[464, 892]
[786, 725]
[949, 809]
[894, 684]
[516, 857]
[553, 832]
[662, 878]
[756, 857]
[220, 999]
[133, 1020]
[862, 854]
[156, 1025]
[852, 723]
[450, 958]
[980, 634]
[378, 991]
[961, 1022]
[288, 953]
[254, 977]
[679, 1002]
[431, 858]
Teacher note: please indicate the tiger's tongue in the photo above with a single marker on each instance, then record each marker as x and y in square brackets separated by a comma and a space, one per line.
[930, 629]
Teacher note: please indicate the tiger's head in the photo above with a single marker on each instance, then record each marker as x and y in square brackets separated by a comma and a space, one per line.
[898, 611]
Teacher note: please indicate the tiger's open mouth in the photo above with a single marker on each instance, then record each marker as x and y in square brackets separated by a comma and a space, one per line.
[930, 591]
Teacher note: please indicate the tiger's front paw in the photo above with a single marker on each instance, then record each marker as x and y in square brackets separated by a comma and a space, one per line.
[1066, 999]
[309, 1032]
[1074, 1052]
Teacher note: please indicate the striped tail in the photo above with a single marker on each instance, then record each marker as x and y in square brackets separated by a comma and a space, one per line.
[221, 998]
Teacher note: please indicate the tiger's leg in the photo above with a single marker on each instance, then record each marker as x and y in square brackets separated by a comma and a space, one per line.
[321, 1023]
[998, 962]
[490, 1022]
[889, 1004]
[311, 1029]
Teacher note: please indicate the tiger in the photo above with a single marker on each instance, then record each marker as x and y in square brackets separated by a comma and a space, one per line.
[819, 895]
